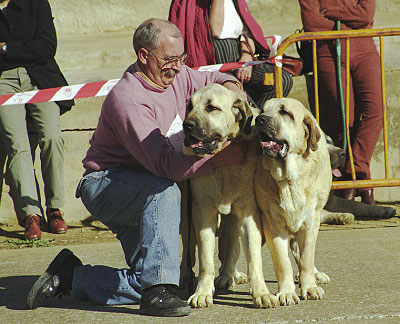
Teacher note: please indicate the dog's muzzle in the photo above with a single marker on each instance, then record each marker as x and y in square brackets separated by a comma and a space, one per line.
[198, 140]
[266, 129]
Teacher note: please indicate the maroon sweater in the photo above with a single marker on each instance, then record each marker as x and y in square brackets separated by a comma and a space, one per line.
[320, 15]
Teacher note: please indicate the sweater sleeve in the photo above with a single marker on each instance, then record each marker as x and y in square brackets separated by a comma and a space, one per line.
[44, 46]
[138, 132]
[313, 20]
[355, 16]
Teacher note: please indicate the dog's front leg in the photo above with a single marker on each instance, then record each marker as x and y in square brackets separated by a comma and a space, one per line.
[278, 243]
[228, 253]
[307, 239]
[320, 277]
[252, 240]
[205, 224]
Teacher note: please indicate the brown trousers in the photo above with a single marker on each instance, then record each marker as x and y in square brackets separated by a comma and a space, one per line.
[365, 99]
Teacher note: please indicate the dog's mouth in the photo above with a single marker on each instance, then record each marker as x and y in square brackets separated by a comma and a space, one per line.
[272, 147]
[201, 147]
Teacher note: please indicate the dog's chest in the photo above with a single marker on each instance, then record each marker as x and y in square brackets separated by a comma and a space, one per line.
[224, 186]
[293, 208]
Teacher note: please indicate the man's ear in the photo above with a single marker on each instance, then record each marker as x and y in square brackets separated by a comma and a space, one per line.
[143, 55]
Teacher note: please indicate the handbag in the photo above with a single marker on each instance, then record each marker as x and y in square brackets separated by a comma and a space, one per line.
[293, 65]
[304, 49]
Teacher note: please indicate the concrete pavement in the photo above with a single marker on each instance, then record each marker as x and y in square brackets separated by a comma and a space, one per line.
[363, 265]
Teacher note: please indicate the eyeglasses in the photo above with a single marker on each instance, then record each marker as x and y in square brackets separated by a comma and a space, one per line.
[172, 60]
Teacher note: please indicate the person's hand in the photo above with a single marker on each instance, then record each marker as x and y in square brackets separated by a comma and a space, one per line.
[244, 74]
[232, 86]
[231, 153]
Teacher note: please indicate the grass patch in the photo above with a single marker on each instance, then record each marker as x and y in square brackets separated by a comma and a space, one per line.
[18, 244]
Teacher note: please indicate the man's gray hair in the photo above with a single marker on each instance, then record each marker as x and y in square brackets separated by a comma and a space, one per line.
[147, 35]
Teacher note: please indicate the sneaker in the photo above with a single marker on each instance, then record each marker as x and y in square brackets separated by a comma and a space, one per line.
[56, 281]
[162, 300]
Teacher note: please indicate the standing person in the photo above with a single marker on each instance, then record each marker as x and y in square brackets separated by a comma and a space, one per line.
[222, 31]
[28, 45]
[130, 184]
[365, 89]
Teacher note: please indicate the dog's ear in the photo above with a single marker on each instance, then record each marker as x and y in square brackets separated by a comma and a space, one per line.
[245, 115]
[313, 133]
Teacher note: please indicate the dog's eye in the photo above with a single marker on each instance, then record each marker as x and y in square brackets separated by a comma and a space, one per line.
[284, 112]
[210, 108]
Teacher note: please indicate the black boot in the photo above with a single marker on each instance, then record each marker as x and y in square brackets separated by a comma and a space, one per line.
[56, 281]
[162, 300]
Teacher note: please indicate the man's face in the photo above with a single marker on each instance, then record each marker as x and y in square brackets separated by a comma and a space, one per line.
[165, 61]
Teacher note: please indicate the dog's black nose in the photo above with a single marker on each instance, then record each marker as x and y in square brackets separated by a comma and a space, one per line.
[188, 125]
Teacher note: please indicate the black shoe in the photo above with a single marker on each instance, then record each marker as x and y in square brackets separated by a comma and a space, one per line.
[162, 300]
[56, 281]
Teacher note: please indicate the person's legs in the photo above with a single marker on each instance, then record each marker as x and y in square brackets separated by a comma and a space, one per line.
[144, 212]
[33, 140]
[368, 100]
[46, 119]
[14, 136]
[329, 104]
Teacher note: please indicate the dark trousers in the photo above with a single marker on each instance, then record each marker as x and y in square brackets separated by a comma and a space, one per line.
[365, 100]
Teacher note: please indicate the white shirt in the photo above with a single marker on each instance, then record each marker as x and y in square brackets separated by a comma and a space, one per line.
[233, 25]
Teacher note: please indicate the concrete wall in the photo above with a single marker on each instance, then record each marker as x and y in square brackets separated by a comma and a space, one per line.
[95, 43]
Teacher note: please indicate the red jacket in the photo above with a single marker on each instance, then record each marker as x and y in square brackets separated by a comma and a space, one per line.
[192, 15]
[320, 15]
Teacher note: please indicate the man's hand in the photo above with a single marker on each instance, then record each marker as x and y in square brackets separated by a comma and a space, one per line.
[232, 86]
[231, 153]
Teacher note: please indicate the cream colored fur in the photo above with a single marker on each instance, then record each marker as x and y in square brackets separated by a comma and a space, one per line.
[291, 189]
[215, 115]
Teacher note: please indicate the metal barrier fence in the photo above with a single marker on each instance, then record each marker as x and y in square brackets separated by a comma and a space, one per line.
[347, 34]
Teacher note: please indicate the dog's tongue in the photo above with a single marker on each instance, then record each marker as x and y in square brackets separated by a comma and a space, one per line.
[336, 173]
[272, 146]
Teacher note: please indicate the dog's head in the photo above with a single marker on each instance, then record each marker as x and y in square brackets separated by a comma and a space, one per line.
[284, 126]
[337, 157]
[215, 115]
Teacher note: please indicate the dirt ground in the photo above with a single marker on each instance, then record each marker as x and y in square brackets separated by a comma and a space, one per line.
[91, 231]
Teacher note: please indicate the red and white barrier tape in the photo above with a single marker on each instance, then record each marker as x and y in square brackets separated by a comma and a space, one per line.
[102, 88]
[93, 89]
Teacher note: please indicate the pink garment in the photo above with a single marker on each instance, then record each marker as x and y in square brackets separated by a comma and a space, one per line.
[191, 17]
[134, 119]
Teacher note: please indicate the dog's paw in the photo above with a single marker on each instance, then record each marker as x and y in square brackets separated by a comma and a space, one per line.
[287, 298]
[312, 293]
[228, 282]
[200, 301]
[266, 301]
[345, 219]
[240, 277]
[385, 212]
[322, 278]
[222, 282]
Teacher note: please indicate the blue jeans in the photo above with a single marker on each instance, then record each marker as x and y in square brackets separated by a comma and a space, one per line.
[144, 212]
